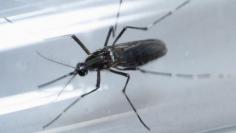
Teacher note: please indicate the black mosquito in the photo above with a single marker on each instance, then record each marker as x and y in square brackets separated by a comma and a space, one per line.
[117, 58]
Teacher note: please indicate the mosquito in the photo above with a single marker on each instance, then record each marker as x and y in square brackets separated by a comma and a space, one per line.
[118, 58]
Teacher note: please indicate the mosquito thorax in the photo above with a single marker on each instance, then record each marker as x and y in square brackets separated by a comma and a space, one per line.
[81, 69]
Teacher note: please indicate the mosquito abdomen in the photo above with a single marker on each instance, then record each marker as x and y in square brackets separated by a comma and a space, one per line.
[138, 53]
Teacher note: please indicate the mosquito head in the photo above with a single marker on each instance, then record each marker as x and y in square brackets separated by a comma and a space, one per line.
[81, 69]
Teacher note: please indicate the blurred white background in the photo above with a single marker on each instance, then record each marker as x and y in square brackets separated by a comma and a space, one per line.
[200, 39]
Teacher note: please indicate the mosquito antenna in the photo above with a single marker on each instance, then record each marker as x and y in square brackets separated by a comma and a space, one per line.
[54, 61]
[57, 79]
[117, 18]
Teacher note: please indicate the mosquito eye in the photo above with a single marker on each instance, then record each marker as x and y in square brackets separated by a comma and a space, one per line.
[83, 72]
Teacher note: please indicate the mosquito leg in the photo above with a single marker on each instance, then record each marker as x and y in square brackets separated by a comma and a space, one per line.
[111, 30]
[178, 75]
[8, 20]
[76, 39]
[117, 17]
[126, 96]
[168, 74]
[145, 71]
[76, 100]
[153, 23]
[155, 72]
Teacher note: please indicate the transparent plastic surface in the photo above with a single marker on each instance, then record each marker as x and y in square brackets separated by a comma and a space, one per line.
[199, 37]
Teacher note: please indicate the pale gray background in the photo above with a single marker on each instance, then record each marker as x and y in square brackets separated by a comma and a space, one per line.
[200, 39]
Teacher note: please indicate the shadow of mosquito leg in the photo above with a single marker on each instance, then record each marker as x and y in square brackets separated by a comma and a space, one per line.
[126, 96]
[76, 100]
